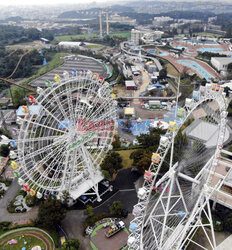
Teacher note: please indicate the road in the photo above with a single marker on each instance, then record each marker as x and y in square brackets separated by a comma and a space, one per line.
[14, 217]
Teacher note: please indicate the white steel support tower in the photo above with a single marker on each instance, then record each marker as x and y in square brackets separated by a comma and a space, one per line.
[100, 22]
[171, 204]
[107, 22]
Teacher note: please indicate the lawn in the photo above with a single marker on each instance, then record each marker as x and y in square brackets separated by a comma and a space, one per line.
[207, 34]
[29, 239]
[93, 46]
[122, 34]
[125, 154]
[73, 37]
[171, 70]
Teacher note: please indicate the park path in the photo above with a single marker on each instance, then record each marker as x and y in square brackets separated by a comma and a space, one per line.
[15, 217]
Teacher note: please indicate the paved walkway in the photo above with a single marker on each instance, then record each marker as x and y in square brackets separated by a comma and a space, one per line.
[14, 217]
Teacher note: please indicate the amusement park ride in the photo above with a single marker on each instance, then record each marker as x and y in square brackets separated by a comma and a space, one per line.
[60, 150]
[171, 207]
[58, 154]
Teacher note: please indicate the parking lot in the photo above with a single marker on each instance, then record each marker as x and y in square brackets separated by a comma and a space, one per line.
[79, 63]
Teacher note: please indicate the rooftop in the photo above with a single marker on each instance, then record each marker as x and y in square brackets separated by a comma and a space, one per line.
[224, 60]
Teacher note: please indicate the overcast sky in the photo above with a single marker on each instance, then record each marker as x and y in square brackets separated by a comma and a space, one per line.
[45, 2]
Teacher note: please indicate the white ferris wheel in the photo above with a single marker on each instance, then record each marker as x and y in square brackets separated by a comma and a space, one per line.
[61, 148]
[171, 205]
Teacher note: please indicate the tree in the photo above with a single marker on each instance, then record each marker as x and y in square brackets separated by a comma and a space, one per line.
[18, 97]
[106, 174]
[198, 146]
[144, 163]
[89, 210]
[116, 208]
[51, 213]
[163, 73]
[72, 244]
[112, 163]
[4, 150]
[121, 79]
[228, 223]
[116, 143]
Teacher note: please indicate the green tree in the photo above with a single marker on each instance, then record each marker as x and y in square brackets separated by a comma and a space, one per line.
[89, 210]
[163, 73]
[106, 174]
[228, 223]
[121, 79]
[18, 97]
[116, 143]
[112, 163]
[116, 208]
[144, 163]
[4, 150]
[51, 213]
[72, 244]
[198, 146]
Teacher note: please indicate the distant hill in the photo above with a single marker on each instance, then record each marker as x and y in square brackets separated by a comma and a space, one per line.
[14, 19]
[69, 14]
[93, 12]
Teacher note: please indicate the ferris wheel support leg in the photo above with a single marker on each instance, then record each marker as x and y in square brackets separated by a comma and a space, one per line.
[95, 187]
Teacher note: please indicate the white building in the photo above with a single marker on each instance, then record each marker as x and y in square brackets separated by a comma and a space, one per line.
[136, 35]
[221, 63]
[161, 20]
[122, 19]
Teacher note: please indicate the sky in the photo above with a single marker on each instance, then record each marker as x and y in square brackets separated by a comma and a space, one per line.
[45, 2]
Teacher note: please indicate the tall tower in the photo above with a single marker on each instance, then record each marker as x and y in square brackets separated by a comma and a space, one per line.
[107, 22]
[100, 21]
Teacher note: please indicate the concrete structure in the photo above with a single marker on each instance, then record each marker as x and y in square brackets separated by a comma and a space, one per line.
[122, 19]
[130, 85]
[162, 20]
[129, 112]
[223, 173]
[147, 35]
[221, 63]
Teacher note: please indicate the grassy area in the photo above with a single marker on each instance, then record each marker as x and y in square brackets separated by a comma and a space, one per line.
[93, 46]
[96, 229]
[54, 63]
[207, 34]
[171, 70]
[93, 246]
[122, 34]
[125, 154]
[72, 37]
[31, 242]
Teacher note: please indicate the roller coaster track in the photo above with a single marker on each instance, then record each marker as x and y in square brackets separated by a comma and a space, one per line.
[16, 84]
[17, 65]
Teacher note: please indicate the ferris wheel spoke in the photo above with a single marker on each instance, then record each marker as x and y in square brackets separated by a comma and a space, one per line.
[60, 106]
[43, 125]
[44, 149]
[43, 161]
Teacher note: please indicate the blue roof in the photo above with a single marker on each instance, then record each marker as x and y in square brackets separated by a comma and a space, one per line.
[34, 110]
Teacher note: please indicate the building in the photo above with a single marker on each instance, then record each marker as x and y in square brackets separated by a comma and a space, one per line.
[130, 85]
[33, 110]
[221, 63]
[149, 35]
[223, 174]
[129, 112]
[122, 19]
[161, 20]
